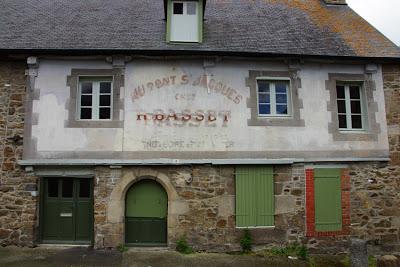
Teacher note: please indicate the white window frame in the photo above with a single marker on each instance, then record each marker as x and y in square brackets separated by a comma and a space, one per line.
[95, 97]
[347, 99]
[272, 81]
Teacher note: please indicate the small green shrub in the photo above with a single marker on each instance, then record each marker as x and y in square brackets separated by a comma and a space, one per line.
[278, 251]
[346, 261]
[182, 246]
[312, 262]
[121, 248]
[246, 241]
[302, 252]
[372, 262]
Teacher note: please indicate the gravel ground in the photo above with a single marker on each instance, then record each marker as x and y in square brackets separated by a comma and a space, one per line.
[86, 257]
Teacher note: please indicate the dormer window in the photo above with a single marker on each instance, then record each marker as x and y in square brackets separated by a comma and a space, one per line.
[185, 21]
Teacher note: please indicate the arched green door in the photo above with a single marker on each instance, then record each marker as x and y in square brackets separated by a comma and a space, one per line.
[146, 214]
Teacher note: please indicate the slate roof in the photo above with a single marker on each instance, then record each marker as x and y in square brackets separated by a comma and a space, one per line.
[290, 27]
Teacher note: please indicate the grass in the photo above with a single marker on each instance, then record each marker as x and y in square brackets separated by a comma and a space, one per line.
[293, 250]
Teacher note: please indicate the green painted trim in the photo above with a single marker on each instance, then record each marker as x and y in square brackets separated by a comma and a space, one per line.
[41, 201]
[200, 16]
[168, 30]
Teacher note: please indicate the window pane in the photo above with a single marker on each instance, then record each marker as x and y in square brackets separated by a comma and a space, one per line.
[341, 106]
[264, 109]
[191, 8]
[84, 188]
[356, 107]
[263, 98]
[280, 87]
[86, 113]
[178, 8]
[354, 92]
[340, 91]
[105, 88]
[86, 88]
[281, 98]
[356, 121]
[105, 100]
[281, 109]
[86, 100]
[263, 86]
[52, 188]
[105, 113]
[342, 122]
[67, 187]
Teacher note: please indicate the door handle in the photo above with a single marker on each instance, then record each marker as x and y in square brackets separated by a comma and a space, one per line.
[65, 214]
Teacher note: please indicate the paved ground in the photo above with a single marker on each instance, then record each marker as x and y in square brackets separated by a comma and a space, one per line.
[84, 257]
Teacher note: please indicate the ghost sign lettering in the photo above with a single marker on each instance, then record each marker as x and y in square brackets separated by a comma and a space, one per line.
[197, 117]
[212, 85]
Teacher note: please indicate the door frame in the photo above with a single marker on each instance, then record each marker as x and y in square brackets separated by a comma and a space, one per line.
[147, 178]
[42, 180]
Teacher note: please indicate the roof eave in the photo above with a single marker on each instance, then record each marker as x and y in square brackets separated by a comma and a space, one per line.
[181, 52]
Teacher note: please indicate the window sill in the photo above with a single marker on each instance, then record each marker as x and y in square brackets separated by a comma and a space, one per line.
[352, 131]
[256, 227]
[183, 42]
[278, 121]
[275, 116]
[94, 124]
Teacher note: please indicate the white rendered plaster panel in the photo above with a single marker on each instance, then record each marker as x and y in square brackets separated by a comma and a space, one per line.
[51, 107]
[235, 136]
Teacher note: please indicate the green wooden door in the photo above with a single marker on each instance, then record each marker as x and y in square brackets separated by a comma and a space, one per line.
[67, 210]
[146, 214]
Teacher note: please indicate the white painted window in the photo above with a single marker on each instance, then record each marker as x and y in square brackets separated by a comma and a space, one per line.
[184, 21]
[351, 107]
[273, 98]
[95, 99]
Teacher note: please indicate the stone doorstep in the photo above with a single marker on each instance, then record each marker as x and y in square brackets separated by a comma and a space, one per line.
[62, 246]
[148, 249]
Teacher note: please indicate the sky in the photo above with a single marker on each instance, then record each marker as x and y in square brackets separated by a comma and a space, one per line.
[382, 14]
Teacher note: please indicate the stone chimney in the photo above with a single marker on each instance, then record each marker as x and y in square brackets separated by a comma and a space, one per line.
[335, 2]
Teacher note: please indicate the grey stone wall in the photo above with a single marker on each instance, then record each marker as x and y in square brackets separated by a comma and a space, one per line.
[375, 205]
[17, 206]
[202, 210]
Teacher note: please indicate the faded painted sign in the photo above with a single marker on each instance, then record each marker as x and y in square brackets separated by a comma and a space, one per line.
[212, 85]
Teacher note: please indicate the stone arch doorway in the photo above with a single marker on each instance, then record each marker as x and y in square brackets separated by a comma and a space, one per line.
[146, 213]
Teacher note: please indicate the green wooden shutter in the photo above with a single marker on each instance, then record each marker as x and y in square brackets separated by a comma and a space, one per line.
[328, 200]
[254, 196]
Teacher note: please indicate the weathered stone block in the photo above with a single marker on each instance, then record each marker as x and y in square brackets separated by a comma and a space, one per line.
[388, 261]
[284, 204]
[4, 233]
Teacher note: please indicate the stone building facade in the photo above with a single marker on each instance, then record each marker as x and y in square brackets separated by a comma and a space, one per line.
[203, 211]
[86, 136]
